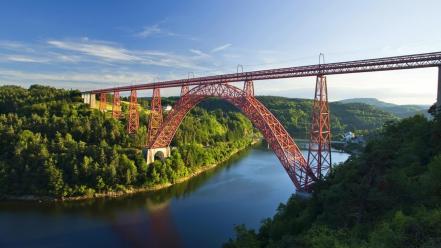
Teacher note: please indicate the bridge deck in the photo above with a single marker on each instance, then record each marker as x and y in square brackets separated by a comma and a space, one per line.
[368, 65]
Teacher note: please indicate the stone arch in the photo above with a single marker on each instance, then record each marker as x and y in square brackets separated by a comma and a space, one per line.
[159, 155]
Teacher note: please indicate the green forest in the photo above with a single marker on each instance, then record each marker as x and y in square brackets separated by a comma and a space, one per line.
[295, 115]
[51, 144]
[388, 196]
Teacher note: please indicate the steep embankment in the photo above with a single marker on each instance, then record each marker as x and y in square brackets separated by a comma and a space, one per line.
[389, 196]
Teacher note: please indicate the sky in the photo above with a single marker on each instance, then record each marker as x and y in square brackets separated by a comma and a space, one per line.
[98, 44]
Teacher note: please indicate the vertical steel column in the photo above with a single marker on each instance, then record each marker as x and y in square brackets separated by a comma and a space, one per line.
[116, 107]
[155, 119]
[319, 153]
[103, 102]
[248, 88]
[133, 121]
[184, 89]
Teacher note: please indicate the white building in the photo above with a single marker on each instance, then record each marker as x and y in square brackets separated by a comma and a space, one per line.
[167, 108]
[347, 137]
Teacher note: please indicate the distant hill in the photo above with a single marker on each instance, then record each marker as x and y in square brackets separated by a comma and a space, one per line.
[295, 114]
[360, 115]
[401, 111]
[371, 101]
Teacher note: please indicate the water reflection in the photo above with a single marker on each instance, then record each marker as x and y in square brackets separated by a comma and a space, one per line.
[153, 228]
[200, 212]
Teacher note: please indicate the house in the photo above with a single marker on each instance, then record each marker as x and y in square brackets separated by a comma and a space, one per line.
[350, 138]
[167, 108]
[347, 137]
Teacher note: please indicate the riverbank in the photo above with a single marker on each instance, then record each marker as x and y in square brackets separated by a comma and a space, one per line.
[246, 189]
[132, 190]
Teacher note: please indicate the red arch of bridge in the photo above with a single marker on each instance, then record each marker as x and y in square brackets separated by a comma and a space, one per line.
[275, 134]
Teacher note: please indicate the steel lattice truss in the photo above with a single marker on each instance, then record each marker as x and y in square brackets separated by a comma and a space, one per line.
[319, 152]
[184, 90]
[155, 118]
[369, 65]
[133, 121]
[303, 173]
[116, 107]
[275, 134]
[103, 102]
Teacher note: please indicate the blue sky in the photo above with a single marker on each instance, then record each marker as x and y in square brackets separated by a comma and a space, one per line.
[94, 44]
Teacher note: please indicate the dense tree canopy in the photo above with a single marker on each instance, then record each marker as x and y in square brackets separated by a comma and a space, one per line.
[389, 196]
[295, 115]
[53, 145]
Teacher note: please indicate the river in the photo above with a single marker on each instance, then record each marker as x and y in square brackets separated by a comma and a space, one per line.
[200, 212]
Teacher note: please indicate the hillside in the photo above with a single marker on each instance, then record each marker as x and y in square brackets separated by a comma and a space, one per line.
[53, 145]
[370, 101]
[389, 196]
[295, 115]
[401, 111]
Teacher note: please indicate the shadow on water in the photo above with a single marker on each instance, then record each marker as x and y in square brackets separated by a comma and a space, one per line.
[108, 206]
[176, 216]
[137, 220]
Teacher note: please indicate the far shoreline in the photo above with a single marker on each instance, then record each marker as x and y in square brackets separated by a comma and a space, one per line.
[128, 191]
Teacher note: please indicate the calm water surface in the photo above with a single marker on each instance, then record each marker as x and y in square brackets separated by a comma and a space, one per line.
[201, 212]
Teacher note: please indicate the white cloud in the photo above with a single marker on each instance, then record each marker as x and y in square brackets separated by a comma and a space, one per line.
[220, 48]
[199, 53]
[157, 31]
[109, 52]
[86, 63]
[22, 58]
[66, 58]
[103, 77]
[10, 44]
[101, 54]
[97, 49]
[149, 31]
[15, 46]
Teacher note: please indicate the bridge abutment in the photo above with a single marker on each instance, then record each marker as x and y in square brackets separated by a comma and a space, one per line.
[86, 98]
[89, 99]
[151, 152]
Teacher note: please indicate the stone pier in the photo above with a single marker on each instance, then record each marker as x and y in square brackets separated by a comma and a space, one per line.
[86, 98]
[164, 152]
[92, 100]
[89, 99]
